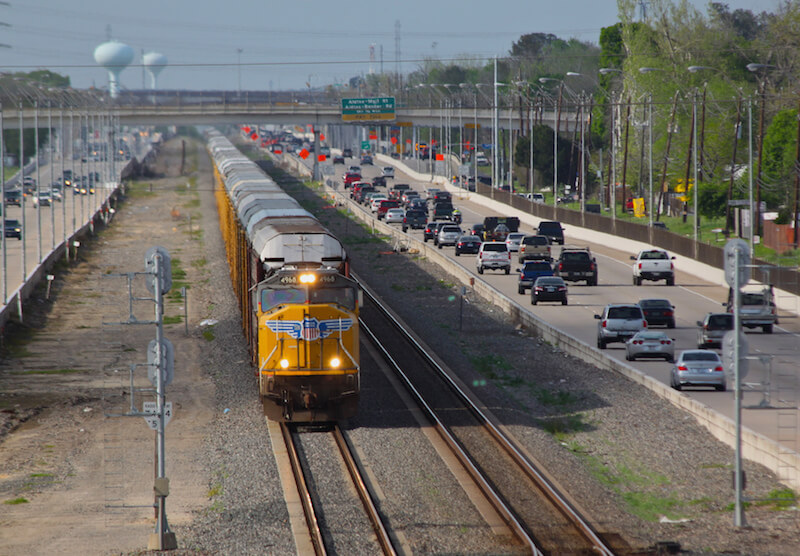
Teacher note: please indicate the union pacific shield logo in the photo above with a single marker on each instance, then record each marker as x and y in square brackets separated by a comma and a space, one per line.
[309, 329]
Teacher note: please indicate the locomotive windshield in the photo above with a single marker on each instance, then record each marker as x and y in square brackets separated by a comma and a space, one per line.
[271, 298]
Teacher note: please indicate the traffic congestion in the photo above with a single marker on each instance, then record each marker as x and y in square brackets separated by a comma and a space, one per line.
[570, 284]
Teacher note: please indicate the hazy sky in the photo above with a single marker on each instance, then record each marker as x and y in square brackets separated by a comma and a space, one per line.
[284, 44]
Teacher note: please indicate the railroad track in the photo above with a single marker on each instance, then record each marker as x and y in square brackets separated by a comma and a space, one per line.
[541, 517]
[319, 540]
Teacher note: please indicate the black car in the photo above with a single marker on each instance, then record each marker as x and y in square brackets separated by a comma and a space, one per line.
[477, 230]
[14, 197]
[338, 159]
[468, 245]
[13, 228]
[366, 160]
[347, 153]
[658, 312]
[379, 181]
[549, 288]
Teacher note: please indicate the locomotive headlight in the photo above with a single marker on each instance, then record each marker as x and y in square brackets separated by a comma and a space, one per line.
[284, 363]
[335, 362]
[308, 278]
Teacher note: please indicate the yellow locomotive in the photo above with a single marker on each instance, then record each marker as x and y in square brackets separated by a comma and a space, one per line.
[299, 308]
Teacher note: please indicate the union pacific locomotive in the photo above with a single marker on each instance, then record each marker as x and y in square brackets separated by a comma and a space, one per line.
[299, 307]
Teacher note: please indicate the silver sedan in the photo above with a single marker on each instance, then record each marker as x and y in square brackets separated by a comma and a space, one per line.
[395, 216]
[698, 367]
[650, 344]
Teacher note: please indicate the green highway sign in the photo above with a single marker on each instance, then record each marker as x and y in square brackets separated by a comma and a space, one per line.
[367, 109]
[364, 145]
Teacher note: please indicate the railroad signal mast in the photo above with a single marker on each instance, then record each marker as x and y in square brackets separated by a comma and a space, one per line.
[160, 371]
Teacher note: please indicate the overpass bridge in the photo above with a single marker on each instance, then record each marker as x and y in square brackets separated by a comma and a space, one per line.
[225, 107]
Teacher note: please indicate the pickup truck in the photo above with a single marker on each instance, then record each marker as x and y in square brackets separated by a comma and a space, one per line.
[756, 308]
[575, 264]
[534, 247]
[529, 272]
[415, 219]
[653, 264]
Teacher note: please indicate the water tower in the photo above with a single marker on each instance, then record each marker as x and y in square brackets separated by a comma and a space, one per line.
[114, 57]
[155, 63]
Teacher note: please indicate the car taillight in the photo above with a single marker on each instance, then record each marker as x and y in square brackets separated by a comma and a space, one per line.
[682, 368]
[640, 266]
[562, 288]
[561, 267]
[644, 324]
[671, 266]
[521, 248]
[637, 342]
[666, 342]
[591, 267]
[719, 368]
[604, 323]
[405, 220]
[668, 313]
[539, 288]
[548, 250]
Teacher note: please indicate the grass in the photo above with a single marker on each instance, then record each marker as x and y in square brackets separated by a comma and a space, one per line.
[632, 485]
[140, 190]
[779, 500]
[199, 263]
[15, 501]
[488, 365]
[554, 398]
[208, 335]
[173, 320]
[562, 426]
[49, 372]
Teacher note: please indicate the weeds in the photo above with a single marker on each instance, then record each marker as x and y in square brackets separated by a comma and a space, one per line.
[16, 501]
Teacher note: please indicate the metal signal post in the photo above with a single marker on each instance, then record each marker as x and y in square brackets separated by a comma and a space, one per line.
[160, 371]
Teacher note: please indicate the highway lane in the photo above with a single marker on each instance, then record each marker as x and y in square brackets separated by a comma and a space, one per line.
[773, 381]
[49, 226]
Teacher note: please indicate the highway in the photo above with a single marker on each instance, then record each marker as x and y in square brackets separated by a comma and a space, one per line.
[47, 227]
[771, 387]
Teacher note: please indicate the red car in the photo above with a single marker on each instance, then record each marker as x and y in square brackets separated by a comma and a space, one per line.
[351, 177]
[386, 205]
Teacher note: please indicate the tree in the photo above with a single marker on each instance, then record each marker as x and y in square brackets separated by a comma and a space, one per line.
[543, 154]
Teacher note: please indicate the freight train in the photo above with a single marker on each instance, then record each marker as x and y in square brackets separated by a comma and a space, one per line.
[299, 306]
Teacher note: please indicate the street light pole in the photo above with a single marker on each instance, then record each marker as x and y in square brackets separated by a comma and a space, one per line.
[239, 69]
[694, 165]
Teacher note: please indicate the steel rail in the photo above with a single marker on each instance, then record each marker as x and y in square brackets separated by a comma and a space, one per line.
[364, 493]
[303, 491]
[469, 466]
[525, 465]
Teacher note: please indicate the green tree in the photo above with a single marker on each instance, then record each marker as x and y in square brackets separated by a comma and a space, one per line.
[543, 154]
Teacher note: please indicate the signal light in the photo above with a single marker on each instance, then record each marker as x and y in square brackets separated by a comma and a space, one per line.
[284, 363]
[335, 362]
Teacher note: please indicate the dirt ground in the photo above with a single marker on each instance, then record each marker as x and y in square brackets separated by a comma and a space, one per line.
[74, 481]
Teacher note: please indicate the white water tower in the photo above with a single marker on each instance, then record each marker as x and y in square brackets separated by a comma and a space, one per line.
[114, 56]
[154, 63]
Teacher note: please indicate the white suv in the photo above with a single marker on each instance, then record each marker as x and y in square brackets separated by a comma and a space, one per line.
[388, 172]
[493, 254]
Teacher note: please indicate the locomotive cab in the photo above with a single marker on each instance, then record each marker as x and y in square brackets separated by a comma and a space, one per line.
[308, 350]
